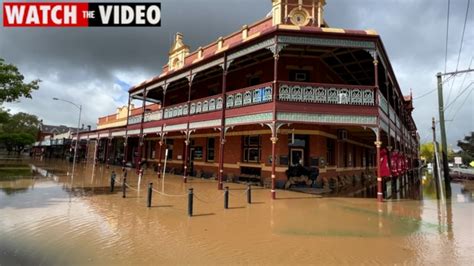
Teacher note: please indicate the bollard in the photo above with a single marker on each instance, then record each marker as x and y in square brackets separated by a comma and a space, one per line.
[150, 191]
[124, 187]
[190, 202]
[112, 181]
[249, 194]
[226, 198]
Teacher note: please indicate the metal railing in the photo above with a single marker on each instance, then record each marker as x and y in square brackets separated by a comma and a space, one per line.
[326, 93]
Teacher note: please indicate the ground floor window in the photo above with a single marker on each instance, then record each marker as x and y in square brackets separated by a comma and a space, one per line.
[331, 152]
[169, 146]
[210, 149]
[150, 149]
[251, 149]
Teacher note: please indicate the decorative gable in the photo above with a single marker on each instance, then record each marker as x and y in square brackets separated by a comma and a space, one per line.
[298, 12]
[178, 53]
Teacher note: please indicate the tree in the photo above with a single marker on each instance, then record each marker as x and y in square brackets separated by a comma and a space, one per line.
[4, 116]
[22, 123]
[18, 131]
[427, 151]
[12, 86]
[16, 141]
[467, 148]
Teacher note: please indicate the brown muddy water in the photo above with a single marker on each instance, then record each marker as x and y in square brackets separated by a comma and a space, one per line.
[48, 217]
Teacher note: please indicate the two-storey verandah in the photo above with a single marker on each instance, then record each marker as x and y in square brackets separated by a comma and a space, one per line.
[328, 90]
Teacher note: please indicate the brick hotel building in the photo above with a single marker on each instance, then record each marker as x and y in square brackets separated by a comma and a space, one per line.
[286, 90]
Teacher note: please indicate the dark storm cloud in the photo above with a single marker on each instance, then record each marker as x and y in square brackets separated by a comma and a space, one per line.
[93, 65]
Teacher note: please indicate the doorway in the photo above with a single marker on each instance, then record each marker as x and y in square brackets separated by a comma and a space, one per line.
[296, 156]
[298, 146]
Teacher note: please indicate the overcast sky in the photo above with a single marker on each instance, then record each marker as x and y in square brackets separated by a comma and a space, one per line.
[96, 66]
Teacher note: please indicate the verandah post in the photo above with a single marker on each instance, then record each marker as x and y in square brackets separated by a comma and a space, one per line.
[161, 142]
[220, 173]
[187, 133]
[274, 138]
[125, 143]
[378, 145]
[141, 137]
[378, 142]
[160, 150]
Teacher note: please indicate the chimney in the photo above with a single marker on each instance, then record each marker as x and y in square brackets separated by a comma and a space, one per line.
[82, 126]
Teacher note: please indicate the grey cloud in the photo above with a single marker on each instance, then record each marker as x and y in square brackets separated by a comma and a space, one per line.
[85, 64]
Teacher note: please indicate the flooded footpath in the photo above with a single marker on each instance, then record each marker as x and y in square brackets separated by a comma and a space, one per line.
[49, 217]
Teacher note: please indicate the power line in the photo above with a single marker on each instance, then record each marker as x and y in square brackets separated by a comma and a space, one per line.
[433, 90]
[465, 76]
[463, 32]
[460, 94]
[460, 47]
[460, 107]
[424, 95]
[447, 37]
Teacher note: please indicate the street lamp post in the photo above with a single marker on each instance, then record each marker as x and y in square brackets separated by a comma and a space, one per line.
[78, 106]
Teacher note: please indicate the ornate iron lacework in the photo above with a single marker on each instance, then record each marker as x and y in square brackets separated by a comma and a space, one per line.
[327, 118]
[205, 124]
[384, 125]
[326, 42]
[392, 114]
[154, 116]
[175, 127]
[118, 134]
[134, 120]
[197, 107]
[251, 49]
[214, 63]
[249, 119]
[249, 97]
[311, 94]
[383, 103]
[152, 130]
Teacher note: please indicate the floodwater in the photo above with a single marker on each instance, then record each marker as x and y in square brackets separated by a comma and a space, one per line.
[48, 217]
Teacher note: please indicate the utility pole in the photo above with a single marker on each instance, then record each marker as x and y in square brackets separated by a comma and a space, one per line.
[444, 145]
[436, 167]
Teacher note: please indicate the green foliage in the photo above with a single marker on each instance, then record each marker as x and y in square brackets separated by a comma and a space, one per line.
[467, 148]
[12, 85]
[18, 131]
[4, 116]
[16, 141]
[22, 123]
[427, 151]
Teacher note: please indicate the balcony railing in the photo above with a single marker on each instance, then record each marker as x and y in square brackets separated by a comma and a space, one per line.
[263, 93]
[134, 119]
[383, 103]
[326, 93]
[204, 105]
[154, 116]
[391, 114]
[249, 96]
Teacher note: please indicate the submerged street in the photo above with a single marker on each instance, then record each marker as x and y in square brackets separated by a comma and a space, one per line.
[49, 217]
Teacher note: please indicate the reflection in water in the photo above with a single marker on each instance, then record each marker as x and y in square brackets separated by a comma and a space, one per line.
[60, 220]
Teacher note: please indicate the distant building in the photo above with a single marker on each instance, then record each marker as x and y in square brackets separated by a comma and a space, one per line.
[55, 141]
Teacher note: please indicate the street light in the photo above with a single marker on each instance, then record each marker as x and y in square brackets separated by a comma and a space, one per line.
[78, 106]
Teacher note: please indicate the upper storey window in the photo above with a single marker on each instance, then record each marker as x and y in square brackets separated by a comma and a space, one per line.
[300, 75]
